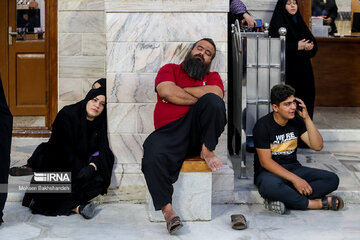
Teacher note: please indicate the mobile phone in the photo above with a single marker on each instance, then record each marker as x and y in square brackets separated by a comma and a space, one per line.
[298, 107]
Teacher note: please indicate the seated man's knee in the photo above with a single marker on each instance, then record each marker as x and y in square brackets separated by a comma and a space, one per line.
[214, 101]
[333, 180]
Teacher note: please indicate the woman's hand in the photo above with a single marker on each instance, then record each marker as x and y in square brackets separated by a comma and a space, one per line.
[249, 19]
[302, 43]
[309, 46]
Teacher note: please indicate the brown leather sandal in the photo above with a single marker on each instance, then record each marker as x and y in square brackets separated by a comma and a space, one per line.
[238, 222]
[174, 224]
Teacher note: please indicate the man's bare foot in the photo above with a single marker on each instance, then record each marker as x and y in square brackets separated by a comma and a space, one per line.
[210, 158]
[168, 212]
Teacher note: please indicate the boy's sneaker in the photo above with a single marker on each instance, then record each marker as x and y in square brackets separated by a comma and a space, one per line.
[275, 206]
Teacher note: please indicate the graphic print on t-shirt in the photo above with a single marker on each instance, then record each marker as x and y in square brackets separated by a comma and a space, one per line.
[284, 144]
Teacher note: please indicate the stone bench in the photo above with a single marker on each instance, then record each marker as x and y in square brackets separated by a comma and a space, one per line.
[192, 193]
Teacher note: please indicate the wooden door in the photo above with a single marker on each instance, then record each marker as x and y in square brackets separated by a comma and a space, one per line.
[28, 63]
[27, 78]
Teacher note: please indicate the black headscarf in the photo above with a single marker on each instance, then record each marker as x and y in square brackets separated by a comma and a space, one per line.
[102, 82]
[6, 120]
[68, 145]
[299, 73]
[294, 24]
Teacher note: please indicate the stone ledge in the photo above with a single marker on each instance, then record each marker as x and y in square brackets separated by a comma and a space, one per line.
[191, 198]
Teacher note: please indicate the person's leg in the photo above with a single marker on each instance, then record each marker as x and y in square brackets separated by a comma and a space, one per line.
[275, 188]
[322, 183]
[208, 122]
[164, 152]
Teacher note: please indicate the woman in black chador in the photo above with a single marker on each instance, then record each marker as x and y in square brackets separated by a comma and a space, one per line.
[78, 144]
[5, 145]
[301, 46]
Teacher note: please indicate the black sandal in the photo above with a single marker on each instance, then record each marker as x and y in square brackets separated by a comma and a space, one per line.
[21, 171]
[332, 206]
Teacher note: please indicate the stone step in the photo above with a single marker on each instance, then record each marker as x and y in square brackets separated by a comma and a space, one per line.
[339, 135]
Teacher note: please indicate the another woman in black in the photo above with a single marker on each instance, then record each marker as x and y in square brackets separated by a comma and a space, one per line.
[78, 144]
[301, 46]
[6, 121]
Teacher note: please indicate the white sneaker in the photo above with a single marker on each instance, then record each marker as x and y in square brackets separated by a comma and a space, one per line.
[275, 206]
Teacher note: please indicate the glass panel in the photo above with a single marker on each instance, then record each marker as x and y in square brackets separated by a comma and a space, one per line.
[30, 20]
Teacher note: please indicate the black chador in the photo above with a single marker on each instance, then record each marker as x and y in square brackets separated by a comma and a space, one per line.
[73, 141]
[299, 72]
[6, 120]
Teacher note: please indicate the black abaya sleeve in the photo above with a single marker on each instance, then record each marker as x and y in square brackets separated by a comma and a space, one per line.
[6, 120]
[64, 145]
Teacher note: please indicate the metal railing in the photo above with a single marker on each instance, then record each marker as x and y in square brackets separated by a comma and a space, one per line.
[258, 64]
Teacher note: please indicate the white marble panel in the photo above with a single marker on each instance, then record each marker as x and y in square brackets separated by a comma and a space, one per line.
[191, 198]
[69, 44]
[131, 87]
[70, 89]
[148, 57]
[81, 67]
[221, 148]
[167, 6]
[128, 187]
[194, 26]
[175, 52]
[223, 179]
[173, 27]
[219, 63]
[145, 118]
[120, 57]
[135, 27]
[121, 117]
[127, 147]
[81, 22]
[264, 5]
[128, 168]
[81, 5]
[94, 44]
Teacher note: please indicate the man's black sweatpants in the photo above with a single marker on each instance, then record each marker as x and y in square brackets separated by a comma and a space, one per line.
[276, 188]
[166, 148]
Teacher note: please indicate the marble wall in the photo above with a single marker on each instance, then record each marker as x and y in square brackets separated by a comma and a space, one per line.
[82, 47]
[141, 37]
[128, 42]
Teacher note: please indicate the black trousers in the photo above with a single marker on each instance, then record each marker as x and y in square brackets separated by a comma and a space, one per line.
[54, 204]
[166, 148]
[276, 188]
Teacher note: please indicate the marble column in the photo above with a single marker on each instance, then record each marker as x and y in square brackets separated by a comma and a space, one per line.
[141, 37]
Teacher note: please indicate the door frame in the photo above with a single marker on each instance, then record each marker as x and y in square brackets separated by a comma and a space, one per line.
[51, 69]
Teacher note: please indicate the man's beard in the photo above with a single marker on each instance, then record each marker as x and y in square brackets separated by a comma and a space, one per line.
[194, 67]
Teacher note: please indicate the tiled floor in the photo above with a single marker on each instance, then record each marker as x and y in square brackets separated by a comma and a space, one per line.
[337, 117]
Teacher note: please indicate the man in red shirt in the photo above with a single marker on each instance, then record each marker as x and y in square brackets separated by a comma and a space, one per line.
[189, 118]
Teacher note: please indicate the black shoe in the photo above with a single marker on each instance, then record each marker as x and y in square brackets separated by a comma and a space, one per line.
[88, 210]
[21, 171]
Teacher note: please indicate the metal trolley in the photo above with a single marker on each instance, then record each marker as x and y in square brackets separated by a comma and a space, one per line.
[258, 64]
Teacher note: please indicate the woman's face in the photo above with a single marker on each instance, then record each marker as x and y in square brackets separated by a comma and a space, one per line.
[94, 107]
[291, 6]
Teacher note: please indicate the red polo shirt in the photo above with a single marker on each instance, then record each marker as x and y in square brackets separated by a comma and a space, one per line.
[167, 112]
